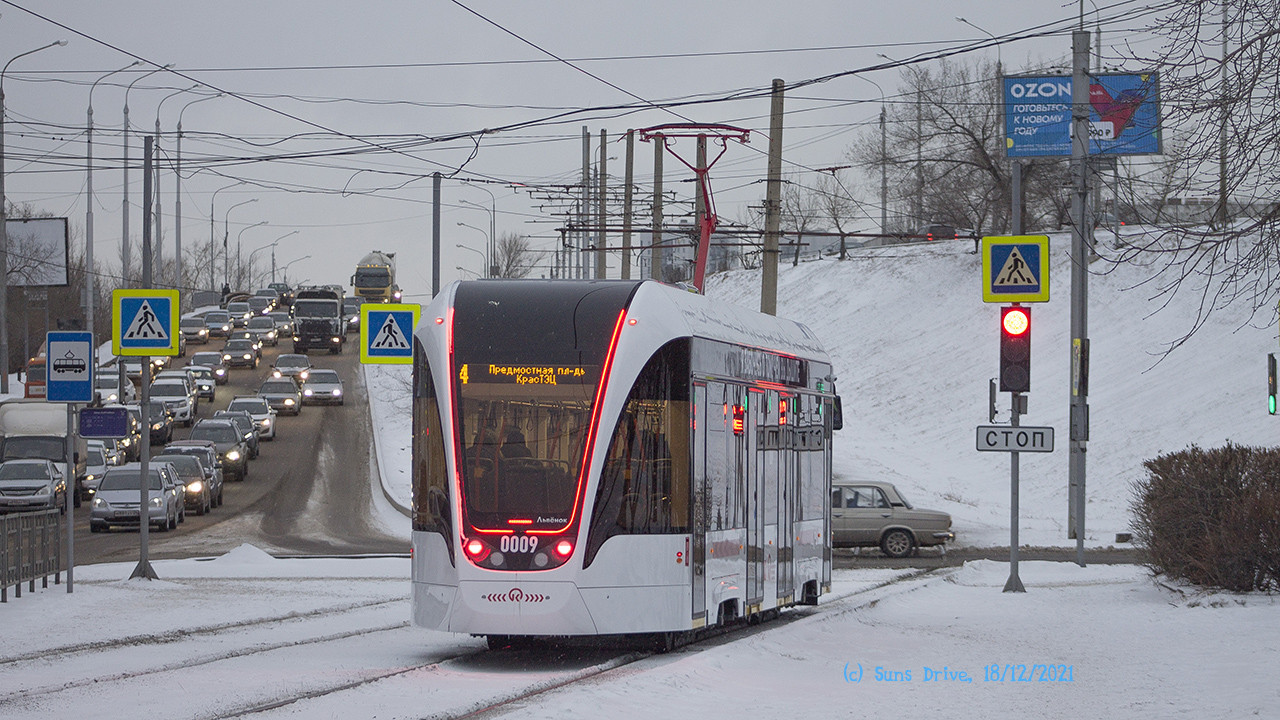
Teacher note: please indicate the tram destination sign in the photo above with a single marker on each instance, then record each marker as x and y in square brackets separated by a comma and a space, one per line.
[527, 374]
[1003, 438]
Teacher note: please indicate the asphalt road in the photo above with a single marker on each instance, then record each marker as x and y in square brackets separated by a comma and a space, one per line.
[308, 491]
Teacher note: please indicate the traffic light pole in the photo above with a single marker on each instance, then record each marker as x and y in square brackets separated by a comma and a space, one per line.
[1017, 406]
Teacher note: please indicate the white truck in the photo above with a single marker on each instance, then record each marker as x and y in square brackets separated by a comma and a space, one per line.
[37, 429]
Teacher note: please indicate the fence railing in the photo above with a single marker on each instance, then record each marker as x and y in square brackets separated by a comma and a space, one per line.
[30, 548]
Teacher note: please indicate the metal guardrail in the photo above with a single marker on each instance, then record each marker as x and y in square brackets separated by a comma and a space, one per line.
[30, 548]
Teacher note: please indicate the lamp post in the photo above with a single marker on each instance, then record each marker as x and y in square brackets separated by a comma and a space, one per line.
[158, 244]
[213, 255]
[4, 232]
[484, 261]
[239, 262]
[89, 280]
[884, 164]
[177, 198]
[125, 258]
[484, 257]
[285, 269]
[273, 253]
[493, 232]
[226, 256]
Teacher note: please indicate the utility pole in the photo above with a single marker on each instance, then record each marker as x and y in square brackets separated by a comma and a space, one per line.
[772, 206]
[602, 242]
[144, 569]
[884, 177]
[700, 196]
[1081, 244]
[435, 233]
[655, 249]
[628, 179]
[584, 204]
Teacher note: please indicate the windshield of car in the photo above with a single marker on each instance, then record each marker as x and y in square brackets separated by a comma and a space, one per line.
[34, 447]
[239, 345]
[261, 322]
[107, 382]
[238, 308]
[128, 480]
[279, 317]
[253, 406]
[168, 390]
[292, 361]
[95, 456]
[217, 318]
[24, 471]
[278, 386]
[186, 465]
[206, 358]
[323, 377]
[191, 323]
[219, 432]
[202, 373]
[351, 305]
[157, 410]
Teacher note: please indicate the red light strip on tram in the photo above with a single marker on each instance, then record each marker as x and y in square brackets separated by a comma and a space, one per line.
[591, 429]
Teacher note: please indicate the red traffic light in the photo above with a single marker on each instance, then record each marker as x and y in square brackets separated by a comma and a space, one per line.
[1016, 321]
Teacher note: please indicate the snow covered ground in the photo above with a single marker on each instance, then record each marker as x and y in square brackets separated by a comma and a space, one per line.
[217, 638]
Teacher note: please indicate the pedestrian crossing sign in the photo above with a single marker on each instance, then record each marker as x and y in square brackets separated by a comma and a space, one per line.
[144, 322]
[386, 332]
[1015, 268]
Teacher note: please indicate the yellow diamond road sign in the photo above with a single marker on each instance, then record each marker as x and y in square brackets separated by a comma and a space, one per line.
[144, 322]
[1015, 268]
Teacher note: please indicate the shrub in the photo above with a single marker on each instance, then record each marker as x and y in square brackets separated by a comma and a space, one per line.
[1212, 517]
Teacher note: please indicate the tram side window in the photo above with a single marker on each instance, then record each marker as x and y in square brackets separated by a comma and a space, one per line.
[644, 486]
[811, 453]
[431, 506]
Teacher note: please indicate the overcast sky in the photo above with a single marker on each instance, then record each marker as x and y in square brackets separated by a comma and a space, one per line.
[374, 87]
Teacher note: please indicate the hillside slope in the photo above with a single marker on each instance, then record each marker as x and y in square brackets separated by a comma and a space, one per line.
[914, 346]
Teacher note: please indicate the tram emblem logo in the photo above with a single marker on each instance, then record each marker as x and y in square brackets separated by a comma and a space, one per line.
[515, 595]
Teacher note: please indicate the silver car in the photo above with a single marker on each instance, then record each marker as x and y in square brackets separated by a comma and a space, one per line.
[262, 413]
[294, 365]
[116, 502]
[873, 513]
[31, 484]
[282, 394]
[322, 386]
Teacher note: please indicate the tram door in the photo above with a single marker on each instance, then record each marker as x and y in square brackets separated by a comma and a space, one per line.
[698, 513]
[754, 416]
[788, 414]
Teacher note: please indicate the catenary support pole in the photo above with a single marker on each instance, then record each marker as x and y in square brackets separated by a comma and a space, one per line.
[772, 206]
[1080, 251]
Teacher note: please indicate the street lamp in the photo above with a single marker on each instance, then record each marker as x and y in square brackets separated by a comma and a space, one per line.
[213, 255]
[226, 256]
[89, 276]
[285, 269]
[484, 257]
[493, 232]
[884, 166]
[484, 261]
[273, 253]
[124, 204]
[999, 64]
[177, 196]
[239, 263]
[4, 232]
[158, 245]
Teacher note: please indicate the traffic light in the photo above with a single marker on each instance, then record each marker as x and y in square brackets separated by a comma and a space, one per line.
[1015, 349]
[1271, 383]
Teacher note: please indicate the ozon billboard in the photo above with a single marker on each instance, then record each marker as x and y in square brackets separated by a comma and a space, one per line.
[1124, 115]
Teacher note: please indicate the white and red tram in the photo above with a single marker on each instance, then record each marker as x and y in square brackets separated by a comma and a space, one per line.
[614, 458]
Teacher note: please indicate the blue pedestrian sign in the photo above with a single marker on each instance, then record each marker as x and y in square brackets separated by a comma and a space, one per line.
[144, 322]
[386, 332]
[1015, 268]
[69, 367]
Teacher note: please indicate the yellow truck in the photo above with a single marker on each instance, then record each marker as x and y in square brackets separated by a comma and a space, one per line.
[375, 278]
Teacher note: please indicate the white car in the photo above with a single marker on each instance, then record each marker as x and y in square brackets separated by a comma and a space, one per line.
[111, 391]
[264, 416]
[177, 398]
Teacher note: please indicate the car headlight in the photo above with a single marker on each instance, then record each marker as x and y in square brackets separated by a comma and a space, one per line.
[248, 356]
[226, 328]
[195, 486]
[307, 392]
[233, 455]
[157, 425]
[112, 397]
[337, 392]
[288, 402]
[220, 372]
[226, 358]
[157, 502]
[275, 373]
[100, 504]
[304, 374]
[266, 422]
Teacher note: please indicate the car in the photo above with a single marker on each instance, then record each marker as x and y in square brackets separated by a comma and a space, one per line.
[160, 419]
[194, 329]
[96, 465]
[206, 383]
[264, 330]
[129, 446]
[245, 334]
[212, 360]
[178, 397]
[31, 484]
[111, 390]
[351, 309]
[874, 513]
[233, 452]
[116, 502]
[292, 365]
[207, 453]
[133, 369]
[218, 323]
[284, 323]
[322, 386]
[198, 495]
[260, 305]
[282, 394]
[240, 353]
[260, 411]
[113, 452]
[240, 313]
[247, 427]
[285, 292]
[184, 374]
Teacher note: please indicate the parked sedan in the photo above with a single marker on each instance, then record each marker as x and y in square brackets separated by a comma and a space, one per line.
[261, 412]
[213, 361]
[31, 484]
[282, 394]
[322, 386]
[116, 502]
[873, 513]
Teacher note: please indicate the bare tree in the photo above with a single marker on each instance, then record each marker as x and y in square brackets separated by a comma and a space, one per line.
[515, 256]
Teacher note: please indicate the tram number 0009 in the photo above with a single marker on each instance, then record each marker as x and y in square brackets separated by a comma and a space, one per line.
[518, 543]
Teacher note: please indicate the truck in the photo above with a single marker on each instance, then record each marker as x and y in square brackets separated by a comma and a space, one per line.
[318, 321]
[375, 278]
[37, 429]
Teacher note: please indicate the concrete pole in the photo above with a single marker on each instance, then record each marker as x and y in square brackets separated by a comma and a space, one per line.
[884, 177]
[772, 207]
[627, 197]
[435, 233]
[603, 212]
[584, 204]
[655, 250]
[1080, 246]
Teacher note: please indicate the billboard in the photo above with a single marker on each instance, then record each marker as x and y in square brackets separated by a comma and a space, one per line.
[38, 252]
[1124, 115]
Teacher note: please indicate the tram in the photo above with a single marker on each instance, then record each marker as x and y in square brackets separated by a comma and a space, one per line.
[613, 457]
